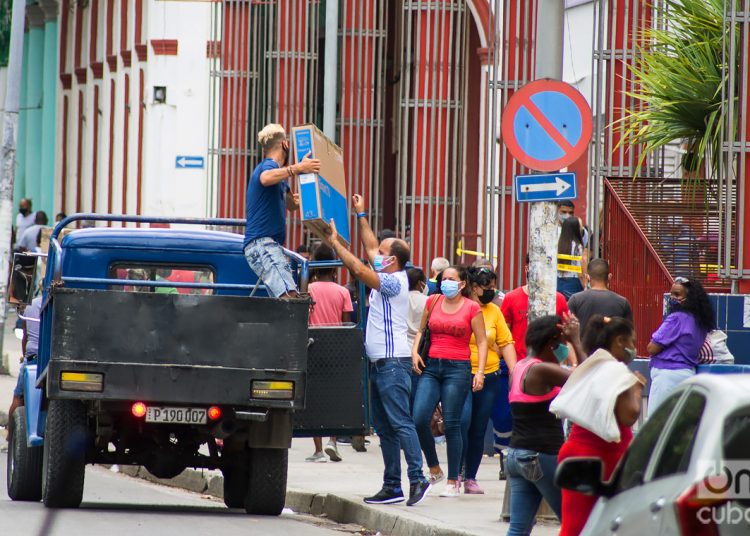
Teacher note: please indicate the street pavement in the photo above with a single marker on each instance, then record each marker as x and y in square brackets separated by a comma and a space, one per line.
[117, 505]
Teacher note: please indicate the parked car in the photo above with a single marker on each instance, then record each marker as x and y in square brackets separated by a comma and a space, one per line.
[670, 480]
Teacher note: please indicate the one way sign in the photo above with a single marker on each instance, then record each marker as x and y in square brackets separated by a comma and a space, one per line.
[189, 162]
[549, 187]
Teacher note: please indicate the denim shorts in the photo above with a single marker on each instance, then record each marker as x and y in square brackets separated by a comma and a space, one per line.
[266, 258]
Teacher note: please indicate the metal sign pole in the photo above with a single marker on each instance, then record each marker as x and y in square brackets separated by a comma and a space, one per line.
[543, 233]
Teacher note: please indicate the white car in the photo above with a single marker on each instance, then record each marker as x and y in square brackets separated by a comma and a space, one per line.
[669, 481]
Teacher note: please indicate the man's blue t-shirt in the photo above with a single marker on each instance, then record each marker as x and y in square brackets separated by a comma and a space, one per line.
[264, 207]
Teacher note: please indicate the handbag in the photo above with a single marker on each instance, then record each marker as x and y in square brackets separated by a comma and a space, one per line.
[437, 424]
[424, 343]
[715, 350]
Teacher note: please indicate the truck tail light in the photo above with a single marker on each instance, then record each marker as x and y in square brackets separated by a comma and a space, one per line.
[82, 381]
[138, 409]
[214, 413]
[272, 390]
[695, 512]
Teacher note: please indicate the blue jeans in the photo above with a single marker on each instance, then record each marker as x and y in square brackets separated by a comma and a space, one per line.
[389, 399]
[502, 419]
[567, 286]
[474, 418]
[447, 381]
[531, 475]
[266, 258]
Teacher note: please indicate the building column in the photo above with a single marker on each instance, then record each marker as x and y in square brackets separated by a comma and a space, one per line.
[19, 185]
[46, 200]
[34, 69]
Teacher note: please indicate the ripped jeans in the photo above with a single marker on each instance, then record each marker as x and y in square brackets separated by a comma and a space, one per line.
[531, 476]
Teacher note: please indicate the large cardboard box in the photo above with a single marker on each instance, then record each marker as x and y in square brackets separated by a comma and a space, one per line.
[323, 195]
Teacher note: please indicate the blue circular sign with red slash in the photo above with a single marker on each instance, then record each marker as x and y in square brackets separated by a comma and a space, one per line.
[547, 125]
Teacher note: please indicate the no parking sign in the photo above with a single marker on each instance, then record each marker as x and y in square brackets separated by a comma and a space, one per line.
[547, 125]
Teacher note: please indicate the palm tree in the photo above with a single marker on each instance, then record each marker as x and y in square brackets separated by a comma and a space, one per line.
[679, 77]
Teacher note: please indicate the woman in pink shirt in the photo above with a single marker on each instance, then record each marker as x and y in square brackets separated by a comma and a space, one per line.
[446, 377]
[332, 307]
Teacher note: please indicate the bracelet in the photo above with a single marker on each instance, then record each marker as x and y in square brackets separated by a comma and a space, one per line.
[361, 214]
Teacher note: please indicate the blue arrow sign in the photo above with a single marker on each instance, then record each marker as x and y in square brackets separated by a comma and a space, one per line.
[548, 187]
[189, 162]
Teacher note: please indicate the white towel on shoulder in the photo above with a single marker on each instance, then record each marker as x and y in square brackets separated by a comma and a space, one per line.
[588, 397]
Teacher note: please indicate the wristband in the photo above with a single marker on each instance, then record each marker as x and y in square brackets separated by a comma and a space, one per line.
[361, 214]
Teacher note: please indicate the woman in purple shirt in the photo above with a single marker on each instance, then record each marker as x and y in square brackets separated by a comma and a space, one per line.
[675, 345]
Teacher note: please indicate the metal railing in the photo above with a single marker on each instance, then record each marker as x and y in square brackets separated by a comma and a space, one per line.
[681, 220]
[638, 273]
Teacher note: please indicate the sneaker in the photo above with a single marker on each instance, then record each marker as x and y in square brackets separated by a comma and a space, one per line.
[344, 440]
[359, 443]
[436, 478]
[472, 488]
[451, 490]
[333, 452]
[418, 492]
[318, 457]
[386, 496]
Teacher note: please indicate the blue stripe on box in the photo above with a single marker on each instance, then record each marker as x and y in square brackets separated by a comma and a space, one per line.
[303, 144]
[308, 192]
[334, 206]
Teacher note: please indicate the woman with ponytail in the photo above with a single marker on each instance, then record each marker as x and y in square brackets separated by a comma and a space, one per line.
[601, 381]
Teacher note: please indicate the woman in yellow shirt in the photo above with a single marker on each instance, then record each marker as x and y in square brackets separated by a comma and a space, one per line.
[479, 405]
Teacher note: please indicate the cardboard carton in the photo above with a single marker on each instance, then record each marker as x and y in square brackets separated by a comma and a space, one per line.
[323, 195]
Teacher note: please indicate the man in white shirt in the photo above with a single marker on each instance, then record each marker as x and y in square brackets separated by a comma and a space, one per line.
[24, 218]
[27, 241]
[390, 356]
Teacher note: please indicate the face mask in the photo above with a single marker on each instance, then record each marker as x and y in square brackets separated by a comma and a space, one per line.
[24, 211]
[425, 290]
[381, 262]
[562, 217]
[487, 296]
[630, 355]
[674, 305]
[561, 352]
[449, 288]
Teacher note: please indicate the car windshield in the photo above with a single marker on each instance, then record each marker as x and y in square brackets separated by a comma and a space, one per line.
[161, 273]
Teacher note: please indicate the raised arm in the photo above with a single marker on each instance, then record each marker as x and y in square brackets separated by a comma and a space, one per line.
[275, 176]
[369, 240]
[360, 271]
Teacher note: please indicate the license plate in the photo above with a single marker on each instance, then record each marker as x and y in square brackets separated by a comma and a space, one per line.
[176, 415]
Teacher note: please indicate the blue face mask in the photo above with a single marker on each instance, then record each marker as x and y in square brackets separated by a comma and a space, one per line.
[449, 288]
[673, 305]
[381, 262]
[561, 352]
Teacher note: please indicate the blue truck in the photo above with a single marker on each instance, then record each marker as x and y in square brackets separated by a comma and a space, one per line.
[159, 347]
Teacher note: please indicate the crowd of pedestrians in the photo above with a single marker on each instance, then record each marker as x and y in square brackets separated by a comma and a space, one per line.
[453, 345]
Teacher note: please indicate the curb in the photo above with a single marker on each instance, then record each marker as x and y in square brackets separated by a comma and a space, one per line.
[333, 507]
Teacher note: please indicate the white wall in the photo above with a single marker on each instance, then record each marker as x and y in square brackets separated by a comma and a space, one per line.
[3, 83]
[179, 127]
[579, 42]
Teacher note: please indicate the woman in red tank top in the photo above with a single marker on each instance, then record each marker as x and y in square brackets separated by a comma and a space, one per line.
[616, 337]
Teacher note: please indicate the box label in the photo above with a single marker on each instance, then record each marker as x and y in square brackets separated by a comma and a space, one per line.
[334, 207]
[303, 144]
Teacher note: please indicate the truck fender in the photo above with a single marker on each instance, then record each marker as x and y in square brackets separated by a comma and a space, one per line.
[32, 397]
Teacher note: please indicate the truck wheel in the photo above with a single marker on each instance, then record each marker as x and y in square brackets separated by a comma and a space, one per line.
[24, 463]
[267, 493]
[64, 454]
[236, 482]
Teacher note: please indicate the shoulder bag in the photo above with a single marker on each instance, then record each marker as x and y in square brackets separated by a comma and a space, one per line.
[424, 343]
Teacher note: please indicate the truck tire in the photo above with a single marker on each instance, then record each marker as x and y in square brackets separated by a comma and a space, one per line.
[65, 443]
[24, 463]
[267, 484]
[236, 481]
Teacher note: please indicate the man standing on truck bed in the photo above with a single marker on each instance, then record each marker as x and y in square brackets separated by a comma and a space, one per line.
[389, 353]
[267, 194]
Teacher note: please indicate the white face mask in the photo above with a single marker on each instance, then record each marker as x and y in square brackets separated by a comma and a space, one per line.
[425, 290]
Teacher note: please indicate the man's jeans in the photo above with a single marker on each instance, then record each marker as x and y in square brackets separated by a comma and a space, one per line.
[391, 390]
[474, 418]
[447, 381]
[266, 258]
[531, 476]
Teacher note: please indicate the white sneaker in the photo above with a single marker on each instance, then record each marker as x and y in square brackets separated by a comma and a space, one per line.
[333, 452]
[451, 490]
[318, 457]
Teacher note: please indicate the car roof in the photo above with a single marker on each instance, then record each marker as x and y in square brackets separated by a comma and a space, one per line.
[197, 240]
[724, 387]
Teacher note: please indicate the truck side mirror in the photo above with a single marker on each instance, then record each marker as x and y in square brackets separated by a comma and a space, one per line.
[22, 277]
[583, 475]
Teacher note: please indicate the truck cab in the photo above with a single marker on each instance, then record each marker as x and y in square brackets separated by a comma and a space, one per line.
[160, 348]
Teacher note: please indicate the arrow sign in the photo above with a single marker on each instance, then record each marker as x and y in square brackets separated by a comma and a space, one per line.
[189, 162]
[549, 187]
